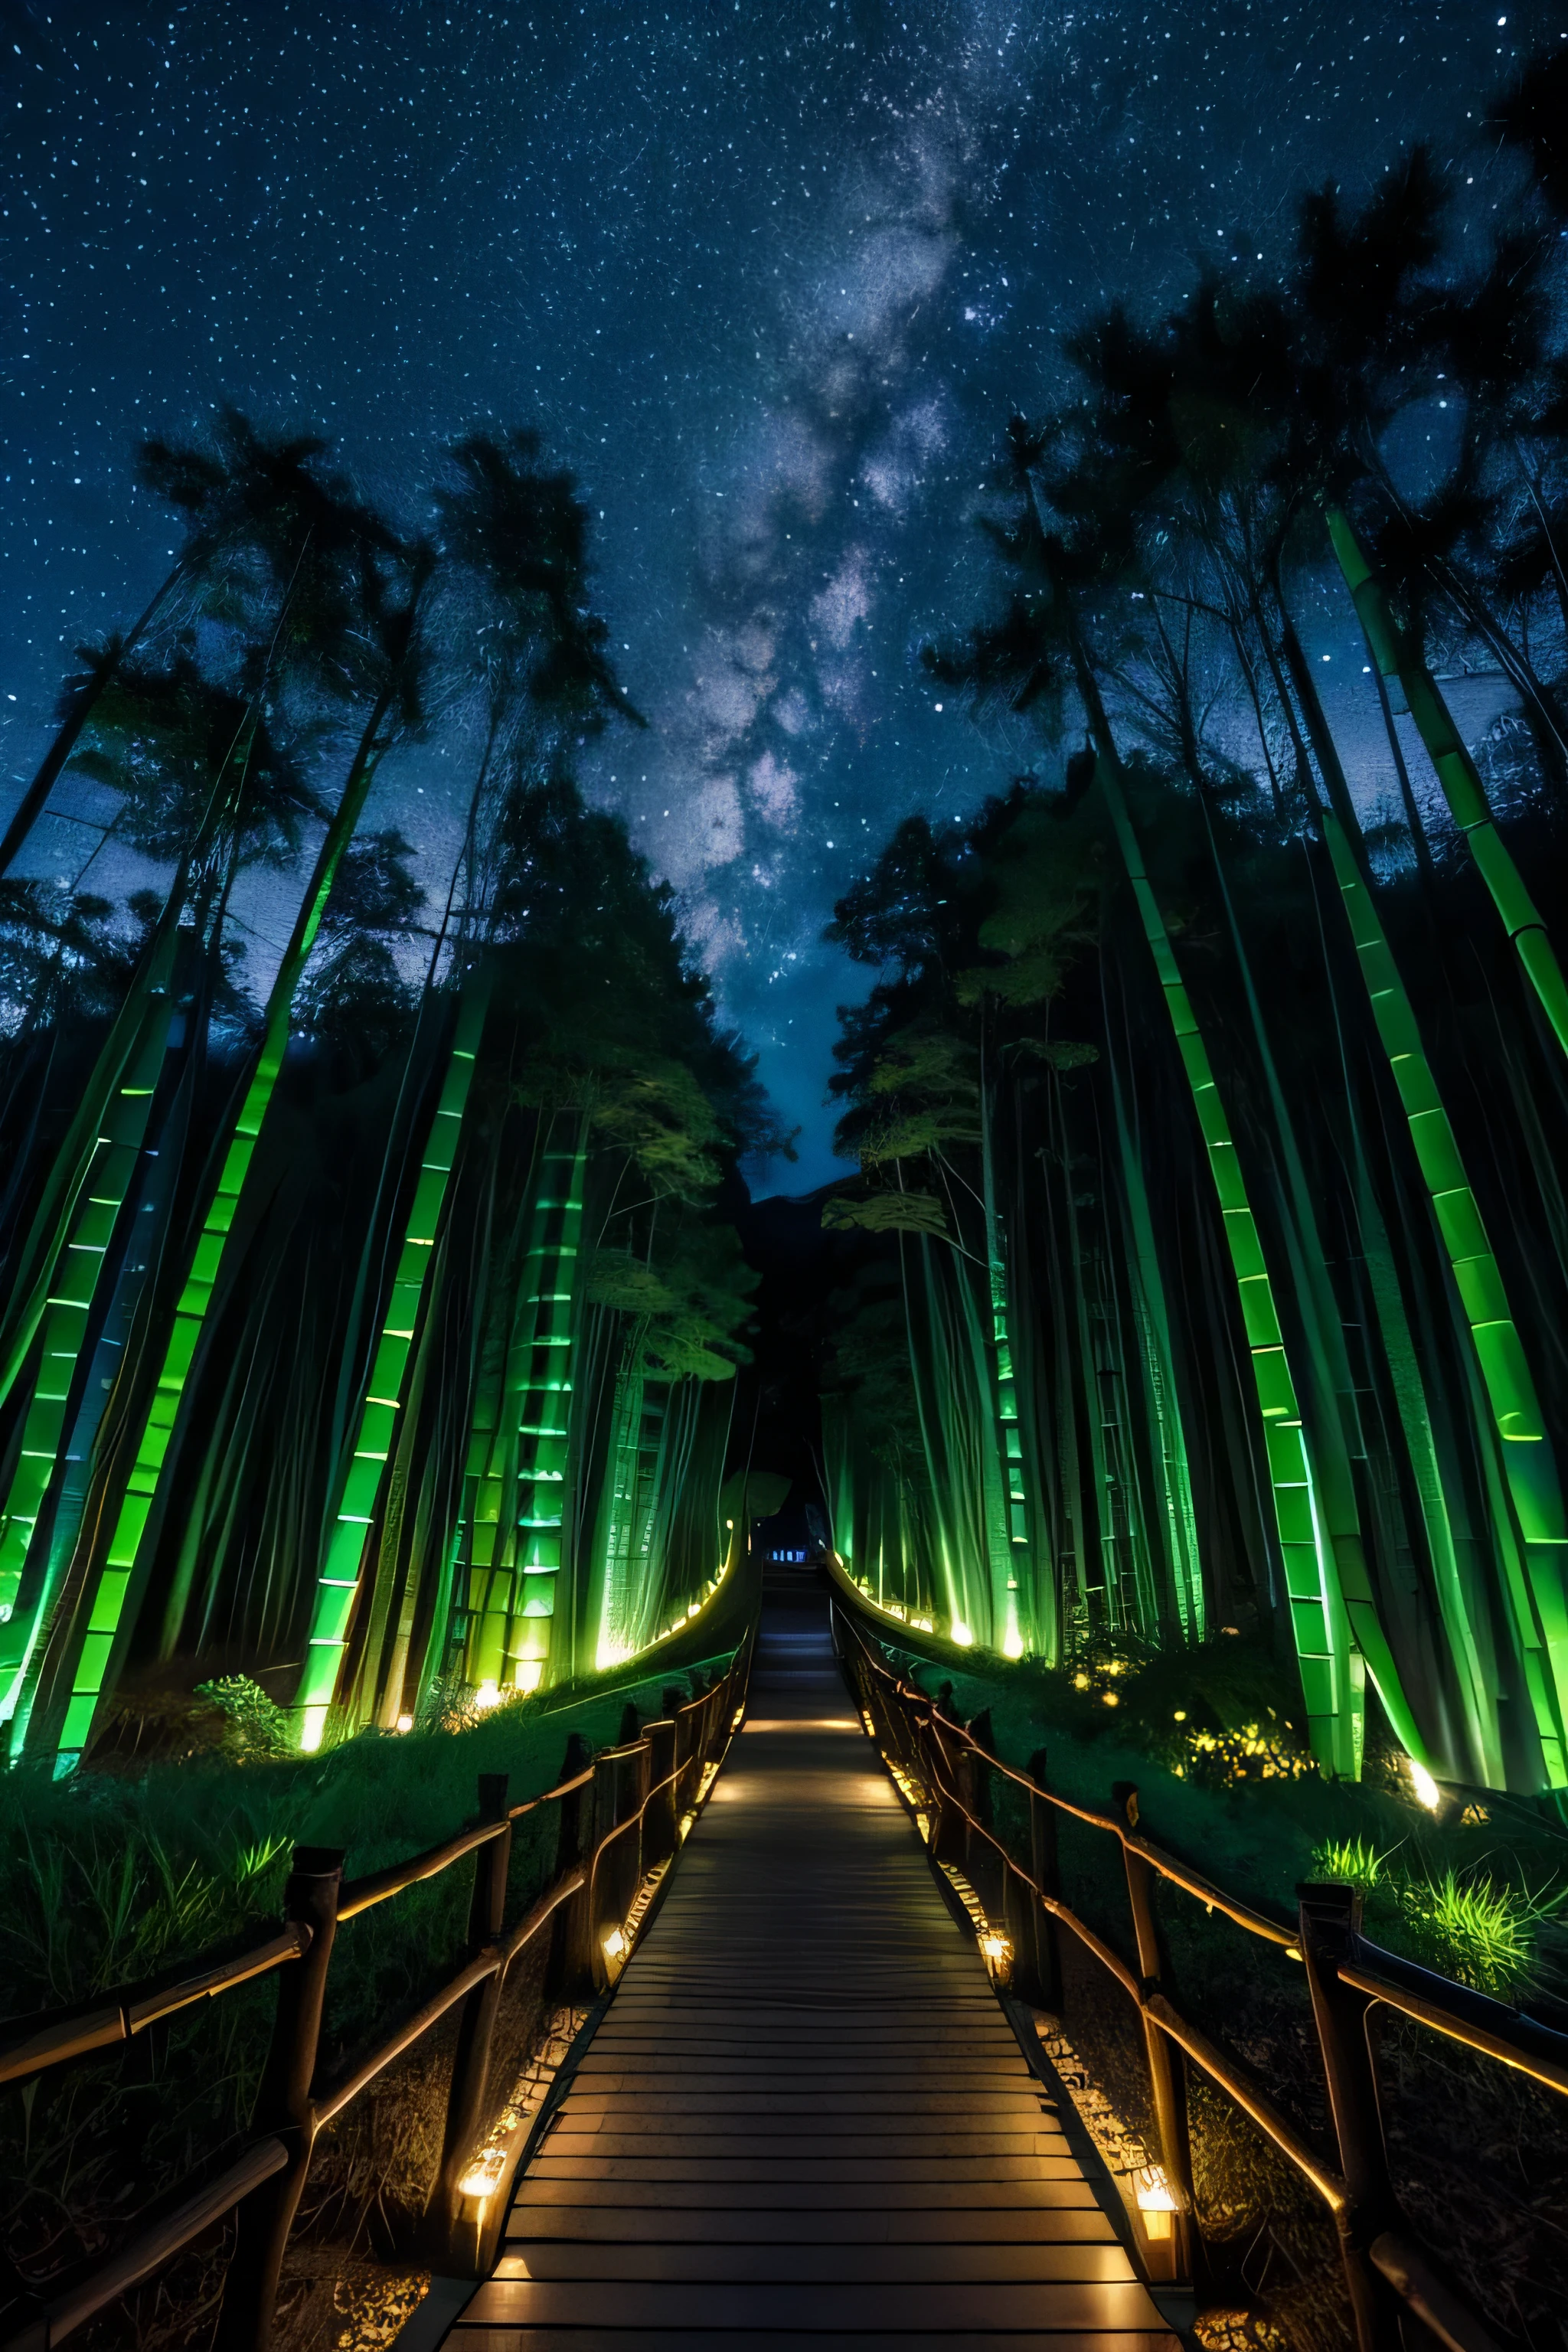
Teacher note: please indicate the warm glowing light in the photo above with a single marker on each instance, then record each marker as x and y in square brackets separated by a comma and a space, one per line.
[487, 1696]
[961, 1633]
[730, 1525]
[405, 1722]
[996, 1948]
[923, 1624]
[1156, 2202]
[1012, 1643]
[615, 1944]
[1426, 1790]
[1081, 1682]
[1110, 1698]
[1180, 1715]
[692, 1607]
[479, 2182]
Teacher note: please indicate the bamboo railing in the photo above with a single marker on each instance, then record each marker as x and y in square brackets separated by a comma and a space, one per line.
[621, 1815]
[1387, 2268]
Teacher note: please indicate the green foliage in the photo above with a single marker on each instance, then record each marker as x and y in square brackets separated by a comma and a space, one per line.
[689, 1304]
[864, 1364]
[1350, 1861]
[1460, 1919]
[104, 1879]
[167, 738]
[1472, 1927]
[887, 1212]
[256, 1727]
[1039, 918]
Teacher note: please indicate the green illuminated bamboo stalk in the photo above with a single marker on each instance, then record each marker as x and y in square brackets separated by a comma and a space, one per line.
[1071, 1536]
[374, 1438]
[77, 1160]
[1401, 666]
[1535, 1597]
[125, 1556]
[1318, 1614]
[64, 1254]
[1540, 1614]
[522, 1563]
[1166, 1412]
[619, 1622]
[76, 1273]
[1013, 1497]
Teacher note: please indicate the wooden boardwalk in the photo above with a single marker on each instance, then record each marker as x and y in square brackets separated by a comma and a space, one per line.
[804, 2119]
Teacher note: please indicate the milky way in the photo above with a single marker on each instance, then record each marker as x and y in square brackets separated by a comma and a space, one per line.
[769, 280]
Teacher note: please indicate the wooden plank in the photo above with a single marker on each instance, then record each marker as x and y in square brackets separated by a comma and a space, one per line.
[717, 2169]
[820, 2265]
[467, 2339]
[1066, 2189]
[884, 2098]
[928, 2148]
[770, 2225]
[930, 2307]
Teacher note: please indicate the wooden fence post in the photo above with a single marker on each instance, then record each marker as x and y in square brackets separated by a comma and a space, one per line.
[476, 2028]
[949, 1830]
[1044, 1868]
[284, 2105]
[983, 1866]
[1166, 2081]
[1330, 1924]
[571, 1975]
[604, 1874]
[661, 1820]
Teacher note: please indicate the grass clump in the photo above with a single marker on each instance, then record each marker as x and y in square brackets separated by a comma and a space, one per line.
[1350, 1861]
[1461, 1920]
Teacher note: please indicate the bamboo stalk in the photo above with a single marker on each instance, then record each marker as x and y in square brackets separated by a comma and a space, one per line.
[1400, 661]
[103, 1605]
[338, 1582]
[76, 1276]
[534, 1418]
[1528, 1465]
[1318, 1617]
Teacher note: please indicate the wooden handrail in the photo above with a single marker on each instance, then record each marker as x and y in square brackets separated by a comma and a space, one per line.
[1489, 2026]
[273, 2165]
[1256, 1923]
[1379, 2263]
[155, 2247]
[121, 2015]
[493, 1961]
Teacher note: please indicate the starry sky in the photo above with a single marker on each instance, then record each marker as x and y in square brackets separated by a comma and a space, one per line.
[768, 278]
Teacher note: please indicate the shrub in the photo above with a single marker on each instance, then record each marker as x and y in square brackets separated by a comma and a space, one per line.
[256, 1728]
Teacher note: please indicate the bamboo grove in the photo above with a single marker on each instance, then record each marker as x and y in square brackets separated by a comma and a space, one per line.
[376, 1342]
[1215, 1119]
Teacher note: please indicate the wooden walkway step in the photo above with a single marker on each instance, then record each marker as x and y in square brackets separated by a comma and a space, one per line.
[805, 2120]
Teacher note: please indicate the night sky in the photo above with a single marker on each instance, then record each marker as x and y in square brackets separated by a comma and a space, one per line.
[768, 279]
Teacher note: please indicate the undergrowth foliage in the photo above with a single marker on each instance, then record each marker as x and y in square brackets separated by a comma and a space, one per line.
[112, 1878]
